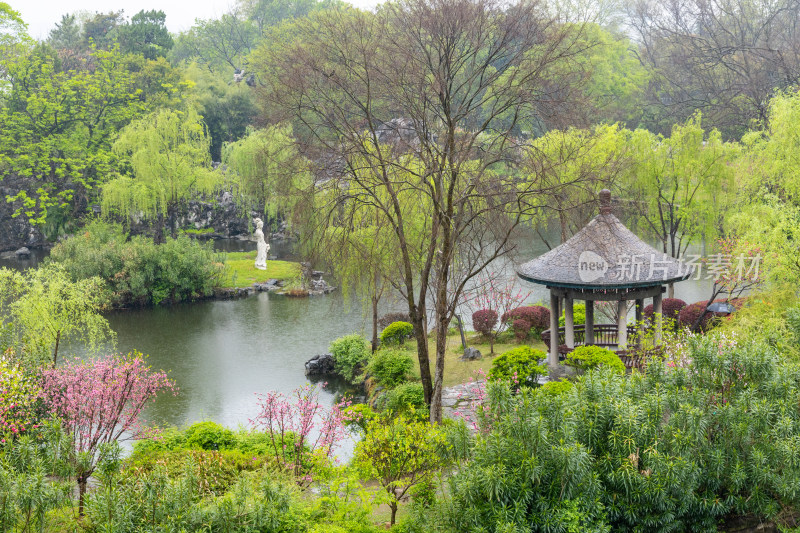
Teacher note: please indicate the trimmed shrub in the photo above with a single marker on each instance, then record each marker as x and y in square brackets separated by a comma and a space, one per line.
[484, 321]
[555, 388]
[521, 328]
[588, 357]
[209, 436]
[350, 353]
[536, 315]
[390, 367]
[520, 365]
[578, 314]
[396, 333]
[670, 309]
[390, 318]
[407, 398]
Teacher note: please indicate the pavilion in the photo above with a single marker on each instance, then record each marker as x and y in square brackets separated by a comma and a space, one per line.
[604, 261]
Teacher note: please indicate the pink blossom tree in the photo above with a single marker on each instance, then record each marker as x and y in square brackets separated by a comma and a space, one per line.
[100, 402]
[302, 430]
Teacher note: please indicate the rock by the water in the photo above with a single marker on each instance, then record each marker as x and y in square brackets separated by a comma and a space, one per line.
[23, 253]
[8, 255]
[321, 364]
[269, 285]
[471, 354]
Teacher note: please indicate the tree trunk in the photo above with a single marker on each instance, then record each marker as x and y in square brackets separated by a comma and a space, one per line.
[158, 237]
[82, 480]
[461, 331]
[671, 290]
[55, 350]
[374, 323]
[418, 320]
[393, 507]
[438, 381]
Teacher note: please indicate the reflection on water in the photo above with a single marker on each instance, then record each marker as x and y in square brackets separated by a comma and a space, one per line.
[221, 353]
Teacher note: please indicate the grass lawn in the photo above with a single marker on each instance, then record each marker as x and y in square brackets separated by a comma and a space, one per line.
[241, 270]
[457, 371]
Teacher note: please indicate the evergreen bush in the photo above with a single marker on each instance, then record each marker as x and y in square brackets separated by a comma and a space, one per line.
[350, 353]
[390, 367]
[519, 365]
[676, 448]
[138, 271]
[588, 357]
[396, 333]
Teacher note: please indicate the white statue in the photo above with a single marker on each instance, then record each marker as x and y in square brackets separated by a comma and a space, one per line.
[261, 246]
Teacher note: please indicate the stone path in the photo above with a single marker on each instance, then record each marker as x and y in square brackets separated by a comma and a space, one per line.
[460, 401]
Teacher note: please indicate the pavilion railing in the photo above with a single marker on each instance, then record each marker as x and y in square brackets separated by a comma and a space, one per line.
[605, 335]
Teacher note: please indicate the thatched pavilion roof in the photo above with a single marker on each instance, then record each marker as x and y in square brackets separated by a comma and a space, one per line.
[604, 255]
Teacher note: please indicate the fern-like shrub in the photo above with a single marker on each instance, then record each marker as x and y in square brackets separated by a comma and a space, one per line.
[679, 447]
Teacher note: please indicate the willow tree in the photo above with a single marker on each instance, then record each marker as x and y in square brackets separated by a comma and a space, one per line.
[266, 171]
[413, 101]
[42, 309]
[170, 163]
[681, 185]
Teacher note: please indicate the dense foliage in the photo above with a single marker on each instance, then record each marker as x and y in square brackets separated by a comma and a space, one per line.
[135, 270]
[396, 333]
[350, 353]
[519, 366]
[589, 357]
[663, 450]
[390, 367]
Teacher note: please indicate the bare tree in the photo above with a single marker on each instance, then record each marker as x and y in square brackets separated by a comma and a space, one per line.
[723, 57]
[419, 102]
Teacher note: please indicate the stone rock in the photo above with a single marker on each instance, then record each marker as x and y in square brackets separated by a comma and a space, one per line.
[8, 255]
[321, 364]
[269, 285]
[16, 231]
[471, 354]
[23, 253]
[317, 274]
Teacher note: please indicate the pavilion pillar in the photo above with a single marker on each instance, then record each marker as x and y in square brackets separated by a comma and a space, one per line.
[639, 324]
[622, 325]
[657, 314]
[552, 360]
[588, 332]
[569, 323]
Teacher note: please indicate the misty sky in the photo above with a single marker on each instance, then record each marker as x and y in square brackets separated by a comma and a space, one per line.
[41, 15]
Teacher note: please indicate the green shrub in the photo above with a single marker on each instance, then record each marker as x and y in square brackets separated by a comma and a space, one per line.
[578, 314]
[396, 333]
[520, 365]
[588, 357]
[209, 436]
[390, 367]
[677, 448]
[555, 388]
[407, 398]
[138, 271]
[350, 353]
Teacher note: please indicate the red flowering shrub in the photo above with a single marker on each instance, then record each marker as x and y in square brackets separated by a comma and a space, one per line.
[484, 321]
[521, 328]
[670, 308]
[688, 315]
[536, 315]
